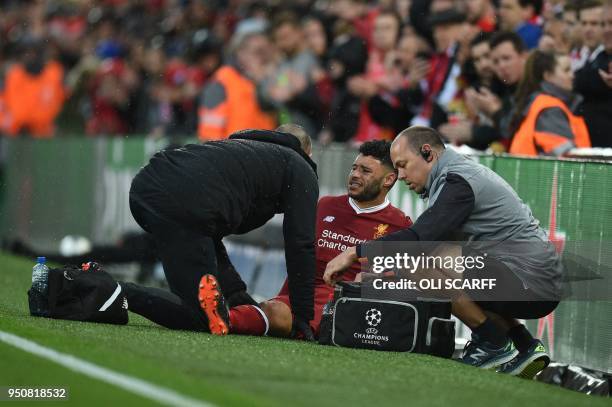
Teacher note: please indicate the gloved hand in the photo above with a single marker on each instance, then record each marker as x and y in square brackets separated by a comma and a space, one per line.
[301, 329]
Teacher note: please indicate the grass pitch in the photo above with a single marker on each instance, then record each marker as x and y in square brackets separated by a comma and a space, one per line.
[240, 370]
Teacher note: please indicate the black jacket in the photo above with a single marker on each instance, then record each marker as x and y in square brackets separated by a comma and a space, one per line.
[234, 186]
[597, 106]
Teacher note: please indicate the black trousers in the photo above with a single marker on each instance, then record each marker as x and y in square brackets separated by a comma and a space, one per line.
[186, 254]
[524, 303]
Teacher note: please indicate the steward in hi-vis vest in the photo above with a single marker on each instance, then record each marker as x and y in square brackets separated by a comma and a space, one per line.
[229, 105]
[549, 126]
[33, 99]
[229, 102]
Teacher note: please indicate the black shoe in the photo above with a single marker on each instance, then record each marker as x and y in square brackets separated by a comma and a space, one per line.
[528, 363]
[485, 355]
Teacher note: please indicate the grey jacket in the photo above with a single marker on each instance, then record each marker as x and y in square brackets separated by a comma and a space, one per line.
[472, 202]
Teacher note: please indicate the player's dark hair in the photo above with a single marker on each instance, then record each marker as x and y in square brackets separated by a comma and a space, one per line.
[417, 136]
[508, 36]
[379, 149]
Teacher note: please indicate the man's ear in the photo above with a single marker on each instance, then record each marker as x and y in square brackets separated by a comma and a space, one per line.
[390, 179]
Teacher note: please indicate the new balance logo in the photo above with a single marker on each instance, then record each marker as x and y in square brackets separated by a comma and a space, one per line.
[329, 219]
[479, 355]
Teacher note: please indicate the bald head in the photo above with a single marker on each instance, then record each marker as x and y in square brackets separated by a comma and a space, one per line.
[299, 132]
[414, 152]
[416, 137]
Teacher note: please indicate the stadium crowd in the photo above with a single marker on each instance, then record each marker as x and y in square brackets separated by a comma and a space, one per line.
[525, 76]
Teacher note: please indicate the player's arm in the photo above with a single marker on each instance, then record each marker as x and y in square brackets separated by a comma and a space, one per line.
[299, 199]
[452, 207]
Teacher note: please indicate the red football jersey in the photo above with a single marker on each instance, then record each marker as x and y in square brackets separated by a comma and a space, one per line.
[342, 224]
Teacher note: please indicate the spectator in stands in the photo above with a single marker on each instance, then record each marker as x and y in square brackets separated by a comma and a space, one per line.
[402, 8]
[33, 92]
[477, 130]
[253, 17]
[590, 21]
[318, 42]
[229, 101]
[289, 87]
[443, 87]
[480, 57]
[153, 110]
[106, 47]
[481, 13]
[544, 118]
[358, 14]
[555, 38]
[572, 27]
[183, 80]
[520, 16]
[508, 54]
[594, 83]
[347, 58]
[387, 29]
[316, 37]
[395, 106]
[111, 90]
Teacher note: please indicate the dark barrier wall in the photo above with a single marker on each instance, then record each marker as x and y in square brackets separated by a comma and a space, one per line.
[69, 186]
[80, 186]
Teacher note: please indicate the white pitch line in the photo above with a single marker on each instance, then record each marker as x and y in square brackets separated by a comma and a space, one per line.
[145, 389]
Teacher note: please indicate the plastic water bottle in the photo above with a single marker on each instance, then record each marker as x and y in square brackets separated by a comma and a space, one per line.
[40, 283]
[328, 308]
[40, 275]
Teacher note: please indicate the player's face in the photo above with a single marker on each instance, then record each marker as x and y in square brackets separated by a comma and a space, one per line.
[366, 179]
[411, 167]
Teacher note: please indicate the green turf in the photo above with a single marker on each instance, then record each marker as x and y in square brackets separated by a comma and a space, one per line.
[237, 370]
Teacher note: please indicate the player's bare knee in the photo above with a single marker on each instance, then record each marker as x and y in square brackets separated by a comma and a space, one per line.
[279, 318]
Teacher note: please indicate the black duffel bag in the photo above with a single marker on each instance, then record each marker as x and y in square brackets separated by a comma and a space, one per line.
[421, 326]
[79, 295]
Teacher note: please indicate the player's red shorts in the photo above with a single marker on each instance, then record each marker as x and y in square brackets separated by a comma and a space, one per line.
[322, 294]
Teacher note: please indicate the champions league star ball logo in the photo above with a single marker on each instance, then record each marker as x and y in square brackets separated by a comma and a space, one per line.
[373, 317]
